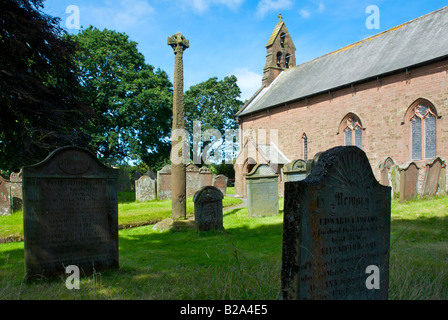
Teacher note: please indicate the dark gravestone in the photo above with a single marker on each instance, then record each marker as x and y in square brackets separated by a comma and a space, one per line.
[297, 170]
[262, 191]
[70, 210]
[432, 177]
[5, 198]
[208, 209]
[220, 182]
[124, 183]
[336, 225]
[408, 182]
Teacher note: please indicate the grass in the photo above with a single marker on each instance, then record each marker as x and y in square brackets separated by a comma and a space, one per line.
[244, 262]
[130, 214]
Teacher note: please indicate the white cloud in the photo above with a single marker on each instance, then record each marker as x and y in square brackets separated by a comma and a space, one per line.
[321, 7]
[128, 13]
[265, 6]
[248, 82]
[304, 13]
[201, 6]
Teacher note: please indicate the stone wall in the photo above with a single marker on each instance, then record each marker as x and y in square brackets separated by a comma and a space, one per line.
[381, 105]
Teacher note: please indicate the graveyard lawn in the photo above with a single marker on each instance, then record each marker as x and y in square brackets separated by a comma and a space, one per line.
[130, 214]
[243, 262]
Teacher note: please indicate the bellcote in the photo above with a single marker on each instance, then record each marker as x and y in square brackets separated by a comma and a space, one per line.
[280, 53]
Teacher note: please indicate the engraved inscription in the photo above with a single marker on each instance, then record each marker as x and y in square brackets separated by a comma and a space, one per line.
[73, 219]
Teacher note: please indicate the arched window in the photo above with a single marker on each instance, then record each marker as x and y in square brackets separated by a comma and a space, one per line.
[279, 59]
[282, 39]
[352, 128]
[287, 61]
[422, 116]
[305, 146]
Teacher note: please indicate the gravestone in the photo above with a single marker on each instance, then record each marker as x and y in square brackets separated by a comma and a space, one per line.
[16, 190]
[193, 181]
[432, 177]
[336, 226]
[164, 183]
[442, 181]
[385, 167]
[196, 178]
[208, 209]
[205, 178]
[220, 182]
[262, 191]
[70, 214]
[146, 187]
[297, 170]
[124, 183]
[408, 182]
[5, 198]
[395, 181]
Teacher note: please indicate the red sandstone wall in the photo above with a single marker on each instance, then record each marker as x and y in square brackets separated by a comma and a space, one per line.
[381, 106]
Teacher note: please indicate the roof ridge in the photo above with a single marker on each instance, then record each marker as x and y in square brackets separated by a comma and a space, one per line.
[357, 43]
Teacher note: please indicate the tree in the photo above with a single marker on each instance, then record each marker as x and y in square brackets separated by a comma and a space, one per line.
[39, 86]
[214, 104]
[130, 99]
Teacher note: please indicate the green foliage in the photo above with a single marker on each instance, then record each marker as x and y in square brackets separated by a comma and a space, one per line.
[214, 103]
[131, 100]
[39, 87]
[224, 169]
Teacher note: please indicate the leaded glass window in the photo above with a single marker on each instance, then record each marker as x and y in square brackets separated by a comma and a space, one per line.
[353, 132]
[305, 147]
[423, 133]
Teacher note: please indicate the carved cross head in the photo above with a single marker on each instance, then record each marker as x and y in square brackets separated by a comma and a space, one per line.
[178, 42]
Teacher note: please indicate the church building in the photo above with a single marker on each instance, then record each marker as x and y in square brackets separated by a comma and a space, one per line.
[387, 94]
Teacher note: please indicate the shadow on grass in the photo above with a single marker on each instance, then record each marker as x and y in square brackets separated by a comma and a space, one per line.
[237, 263]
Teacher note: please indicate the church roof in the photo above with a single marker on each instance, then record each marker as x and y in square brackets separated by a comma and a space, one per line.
[411, 44]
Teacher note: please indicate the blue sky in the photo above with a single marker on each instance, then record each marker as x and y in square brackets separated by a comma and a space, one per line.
[229, 36]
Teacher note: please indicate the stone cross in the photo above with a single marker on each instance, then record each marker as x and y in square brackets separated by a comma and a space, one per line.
[178, 173]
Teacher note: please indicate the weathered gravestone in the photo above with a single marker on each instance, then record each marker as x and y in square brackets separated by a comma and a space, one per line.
[385, 167]
[408, 182]
[336, 228]
[5, 198]
[208, 209]
[297, 170]
[164, 183]
[395, 180]
[262, 191]
[146, 187]
[197, 178]
[16, 190]
[70, 211]
[432, 177]
[220, 182]
[193, 182]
